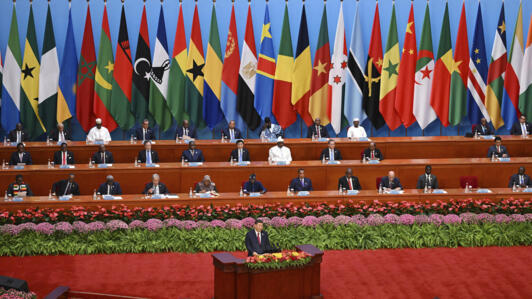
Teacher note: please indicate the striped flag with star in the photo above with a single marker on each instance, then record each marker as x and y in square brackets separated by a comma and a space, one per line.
[525, 80]
[458, 91]
[496, 73]
[265, 70]
[176, 90]
[194, 69]
[212, 112]
[66, 95]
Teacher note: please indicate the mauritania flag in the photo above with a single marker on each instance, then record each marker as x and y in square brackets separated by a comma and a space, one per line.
[49, 77]
[159, 78]
[29, 94]
[525, 82]
[265, 70]
[212, 113]
[66, 94]
[458, 92]
[176, 90]
[195, 64]
[140, 91]
[11, 78]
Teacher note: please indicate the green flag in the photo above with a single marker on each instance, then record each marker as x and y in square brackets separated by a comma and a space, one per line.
[458, 93]
[176, 90]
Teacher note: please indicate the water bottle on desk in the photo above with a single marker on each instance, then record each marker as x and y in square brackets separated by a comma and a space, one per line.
[514, 188]
[131, 139]
[136, 162]
[182, 161]
[5, 141]
[50, 197]
[49, 164]
[380, 188]
[94, 195]
[190, 194]
[241, 192]
[426, 190]
[6, 198]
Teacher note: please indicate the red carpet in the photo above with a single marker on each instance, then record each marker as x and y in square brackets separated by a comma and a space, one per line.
[492, 272]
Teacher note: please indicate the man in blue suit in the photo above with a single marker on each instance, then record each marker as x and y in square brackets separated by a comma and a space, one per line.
[520, 179]
[498, 149]
[253, 186]
[231, 132]
[257, 241]
[390, 182]
[145, 133]
[110, 187]
[301, 183]
[192, 154]
[185, 131]
[21, 156]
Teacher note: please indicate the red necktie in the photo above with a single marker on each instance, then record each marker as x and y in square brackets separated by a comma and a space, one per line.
[64, 158]
[372, 154]
[350, 184]
[258, 237]
[318, 130]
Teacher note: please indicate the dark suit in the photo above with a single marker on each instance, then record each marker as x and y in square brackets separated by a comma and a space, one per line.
[142, 156]
[149, 134]
[378, 154]
[58, 158]
[516, 129]
[326, 153]
[344, 184]
[162, 188]
[423, 180]
[252, 242]
[298, 186]
[245, 155]
[59, 188]
[115, 189]
[498, 154]
[13, 136]
[55, 135]
[253, 187]
[514, 179]
[392, 185]
[312, 130]
[196, 157]
[236, 132]
[15, 158]
[483, 130]
[191, 132]
[98, 159]
[14, 188]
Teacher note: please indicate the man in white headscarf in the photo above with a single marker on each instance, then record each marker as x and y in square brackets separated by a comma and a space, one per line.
[356, 130]
[99, 133]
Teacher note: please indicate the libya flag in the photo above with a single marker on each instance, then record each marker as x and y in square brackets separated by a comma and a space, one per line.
[140, 91]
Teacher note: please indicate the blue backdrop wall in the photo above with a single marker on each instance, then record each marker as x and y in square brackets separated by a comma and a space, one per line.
[133, 8]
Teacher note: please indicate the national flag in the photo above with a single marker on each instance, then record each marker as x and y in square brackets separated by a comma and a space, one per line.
[404, 97]
[424, 66]
[458, 92]
[230, 75]
[282, 107]
[212, 112]
[525, 81]
[354, 82]
[389, 76]
[496, 73]
[246, 78]
[104, 77]
[372, 74]
[178, 75]
[478, 72]
[1, 77]
[158, 105]
[445, 64]
[140, 91]
[85, 78]
[11, 78]
[319, 87]
[265, 70]
[122, 78]
[195, 64]
[29, 94]
[337, 75]
[510, 103]
[66, 94]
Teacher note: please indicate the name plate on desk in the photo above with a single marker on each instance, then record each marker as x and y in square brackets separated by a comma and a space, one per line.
[65, 197]
[194, 164]
[282, 163]
[18, 167]
[111, 197]
[484, 191]
[362, 139]
[352, 192]
[488, 137]
[254, 194]
[98, 142]
[374, 161]
[396, 192]
[322, 139]
[67, 166]
[204, 195]
[157, 196]
[18, 198]
[335, 162]
[439, 191]
[11, 144]
[152, 165]
[104, 165]
[504, 159]
[303, 193]
[171, 196]
[243, 163]
[527, 190]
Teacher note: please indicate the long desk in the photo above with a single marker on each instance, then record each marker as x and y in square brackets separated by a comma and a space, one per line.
[228, 178]
[233, 199]
[302, 149]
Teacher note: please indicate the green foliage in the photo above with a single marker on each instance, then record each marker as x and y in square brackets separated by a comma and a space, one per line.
[279, 265]
[325, 236]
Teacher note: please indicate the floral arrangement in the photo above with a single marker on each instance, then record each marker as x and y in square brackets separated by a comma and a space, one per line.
[14, 294]
[222, 213]
[278, 260]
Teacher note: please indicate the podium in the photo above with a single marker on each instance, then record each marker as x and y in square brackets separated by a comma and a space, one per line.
[233, 279]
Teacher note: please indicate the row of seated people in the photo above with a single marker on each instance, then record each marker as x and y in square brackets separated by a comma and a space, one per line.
[300, 183]
[268, 131]
[278, 153]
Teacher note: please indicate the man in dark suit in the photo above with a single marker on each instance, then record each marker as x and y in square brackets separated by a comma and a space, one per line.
[192, 154]
[427, 179]
[145, 132]
[60, 134]
[21, 156]
[257, 241]
[301, 183]
[253, 186]
[317, 130]
[18, 135]
[19, 187]
[498, 149]
[240, 154]
[331, 153]
[66, 187]
[483, 128]
[186, 130]
[155, 186]
[520, 179]
[390, 182]
[231, 132]
[64, 156]
[147, 155]
[522, 127]
[110, 187]
[349, 182]
[102, 156]
[373, 153]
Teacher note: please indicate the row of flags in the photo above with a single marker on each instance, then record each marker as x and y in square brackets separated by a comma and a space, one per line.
[393, 87]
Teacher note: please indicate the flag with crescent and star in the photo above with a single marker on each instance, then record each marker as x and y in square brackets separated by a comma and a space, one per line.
[176, 90]
[265, 70]
[140, 91]
[66, 95]
[458, 91]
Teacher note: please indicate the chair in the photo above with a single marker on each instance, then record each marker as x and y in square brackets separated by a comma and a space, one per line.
[473, 127]
[378, 181]
[471, 180]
